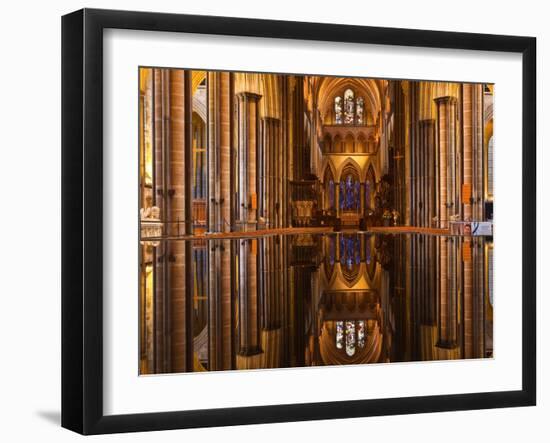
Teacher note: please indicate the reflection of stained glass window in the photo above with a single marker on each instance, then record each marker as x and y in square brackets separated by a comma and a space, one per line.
[338, 110]
[360, 111]
[349, 107]
[339, 334]
[350, 338]
[350, 253]
[361, 333]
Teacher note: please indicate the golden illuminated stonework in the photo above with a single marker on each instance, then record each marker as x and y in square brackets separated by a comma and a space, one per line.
[302, 220]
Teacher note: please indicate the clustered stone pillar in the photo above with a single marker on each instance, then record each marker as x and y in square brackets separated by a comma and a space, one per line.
[473, 210]
[271, 171]
[425, 191]
[178, 290]
[248, 125]
[160, 141]
[174, 280]
[446, 133]
[219, 151]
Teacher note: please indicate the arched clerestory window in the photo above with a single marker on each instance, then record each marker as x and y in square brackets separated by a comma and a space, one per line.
[349, 110]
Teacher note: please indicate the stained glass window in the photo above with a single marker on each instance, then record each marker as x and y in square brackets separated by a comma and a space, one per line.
[338, 110]
[349, 110]
[349, 107]
[350, 194]
[350, 338]
[339, 334]
[360, 111]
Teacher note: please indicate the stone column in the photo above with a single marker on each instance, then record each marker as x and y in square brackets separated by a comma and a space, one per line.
[271, 147]
[219, 152]
[426, 139]
[179, 194]
[247, 155]
[446, 136]
[478, 159]
[160, 138]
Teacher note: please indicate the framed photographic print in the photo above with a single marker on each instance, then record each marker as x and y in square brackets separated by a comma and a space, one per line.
[269, 221]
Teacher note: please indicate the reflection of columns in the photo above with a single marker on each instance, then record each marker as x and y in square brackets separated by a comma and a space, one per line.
[446, 128]
[247, 156]
[272, 283]
[468, 300]
[219, 304]
[219, 149]
[447, 324]
[249, 327]
[478, 296]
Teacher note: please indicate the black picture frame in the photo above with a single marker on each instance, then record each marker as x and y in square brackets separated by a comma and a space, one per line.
[82, 215]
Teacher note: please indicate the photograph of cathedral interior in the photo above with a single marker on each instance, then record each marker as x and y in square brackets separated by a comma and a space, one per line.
[302, 220]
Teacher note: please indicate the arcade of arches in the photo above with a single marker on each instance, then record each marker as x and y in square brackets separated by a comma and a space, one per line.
[291, 220]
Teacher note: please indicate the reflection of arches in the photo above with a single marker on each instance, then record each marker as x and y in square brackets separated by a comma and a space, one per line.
[370, 257]
[350, 259]
[330, 256]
